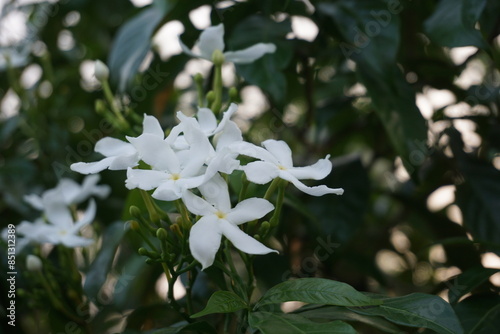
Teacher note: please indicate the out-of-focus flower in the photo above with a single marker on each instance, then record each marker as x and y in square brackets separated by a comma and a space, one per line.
[212, 39]
[33, 263]
[276, 161]
[101, 71]
[219, 219]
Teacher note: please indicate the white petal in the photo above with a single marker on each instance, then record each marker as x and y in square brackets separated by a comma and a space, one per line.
[211, 39]
[156, 152]
[216, 193]
[168, 191]
[260, 172]
[248, 210]
[207, 120]
[197, 205]
[249, 54]
[151, 125]
[204, 240]
[88, 217]
[34, 200]
[318, 171]
[224, 161]
[199, 146]
[254, 151]
[88, 188]
[243, 241]
[188, 51]
[230, 134]
[145, 179]
[92, 167]
[58, 214]
[124, 161]
[314, 191]
[72, 241]
[233, 107]
[280, 150]
[112, 147]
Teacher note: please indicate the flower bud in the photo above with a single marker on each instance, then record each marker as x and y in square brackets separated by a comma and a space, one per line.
[33, 263]
[101, 71]
[210, 97]
[161, 234]
[134, 211]
[218, 58]
[134, 225]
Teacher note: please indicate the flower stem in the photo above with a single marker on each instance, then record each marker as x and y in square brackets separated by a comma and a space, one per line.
[218, 59]
[272, 188]
[279, 204]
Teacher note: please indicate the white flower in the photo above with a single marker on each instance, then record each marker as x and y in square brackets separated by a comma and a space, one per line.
[118, 154]
[70, 192]
[218, 219]
[212, 39]
[60, 229]
[171, 173]
[276, 161]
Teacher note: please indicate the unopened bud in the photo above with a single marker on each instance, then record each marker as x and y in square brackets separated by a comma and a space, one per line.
[33, 263]
[161, 234]
[101, 71]
[233, 94]
[198, 78]
[218, 58]
[134, 211]
[210, 97]
[134, 225]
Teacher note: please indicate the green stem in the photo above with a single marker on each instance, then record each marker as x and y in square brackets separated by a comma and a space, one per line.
[244, 187]
[218, 59]
[181, 208]
[150, 206]
[112, 103]
[272, 188]
[279, 204]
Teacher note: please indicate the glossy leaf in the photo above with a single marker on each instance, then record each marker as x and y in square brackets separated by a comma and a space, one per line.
[132, 43]
[479, 314]
[272, 323]
[222, 302]
[417, 310]
[453, 23]
[467, 281]
[317, 291]
[341, 313]
[98, 271]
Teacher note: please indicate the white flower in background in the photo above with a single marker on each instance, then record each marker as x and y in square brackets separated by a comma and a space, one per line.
[276, 161]
[118, 154]
[219, 219]
[212, 39]
[59, 229]
[70, 192]
[172, 173]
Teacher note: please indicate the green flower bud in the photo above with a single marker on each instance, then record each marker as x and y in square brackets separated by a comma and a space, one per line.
[218, 58]
[101, 71]
[161, 234]
[33, 263]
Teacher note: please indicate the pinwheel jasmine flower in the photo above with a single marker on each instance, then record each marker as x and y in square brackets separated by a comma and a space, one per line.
[172, 173]
[276, 161]
[219, 219]
[70, 192]
[212, 39]
[118, 154]
[60, 229]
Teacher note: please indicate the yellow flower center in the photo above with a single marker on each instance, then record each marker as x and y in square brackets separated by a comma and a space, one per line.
[282, 167]
[63, 232]
[220, 214]
[175, 176]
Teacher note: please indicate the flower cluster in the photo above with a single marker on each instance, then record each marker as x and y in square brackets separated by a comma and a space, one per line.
[191, 160]
[58, 223]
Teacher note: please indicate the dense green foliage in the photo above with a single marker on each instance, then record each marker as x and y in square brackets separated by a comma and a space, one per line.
[350, 92]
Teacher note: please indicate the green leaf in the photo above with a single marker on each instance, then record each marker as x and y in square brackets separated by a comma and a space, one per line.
[316, 291]
[371, 31]
[265, 72]
[479, 314]
[478, 200]
[98, 271]
[222, 302]
[417, 310]
[195, 327]
[341, 313]
[133, 41]
[467, 281]
[453, 23]
[273, 323]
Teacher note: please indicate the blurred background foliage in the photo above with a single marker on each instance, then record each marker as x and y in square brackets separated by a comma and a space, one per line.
[403, 94]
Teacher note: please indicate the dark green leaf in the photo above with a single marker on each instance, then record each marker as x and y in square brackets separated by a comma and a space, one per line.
[453, 23]
[222, 302]
[371, 33]
[98, 271]
[273, 323]
[196, 327]
[467, 281]
[479, 314]
[265, 72]
[317, 291]
[133, 41]
[478, 199]
[341, 313]
[417, 310]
